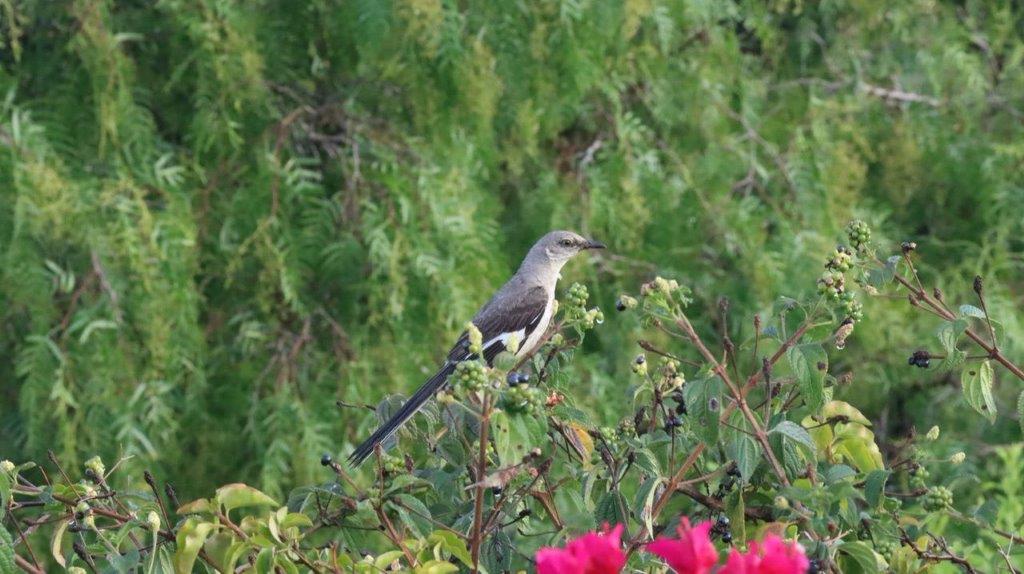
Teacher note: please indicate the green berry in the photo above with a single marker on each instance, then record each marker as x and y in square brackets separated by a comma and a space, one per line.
[937, 498]
[859, 234]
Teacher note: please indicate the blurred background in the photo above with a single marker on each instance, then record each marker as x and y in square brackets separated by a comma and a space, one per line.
[219, 218]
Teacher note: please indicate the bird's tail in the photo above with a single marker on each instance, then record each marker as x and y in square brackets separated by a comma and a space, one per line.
[413, 404]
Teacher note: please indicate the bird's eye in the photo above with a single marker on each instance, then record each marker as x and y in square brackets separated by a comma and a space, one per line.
[566, 242]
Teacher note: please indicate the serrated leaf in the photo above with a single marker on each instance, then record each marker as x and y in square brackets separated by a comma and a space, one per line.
[838, 472]
[874, 487]
[952, 361]
[809, 363]
[796, 433]
[644, 504]
[949, 332]
[7, 565]
[1020, 411]
[700, 395]
[610, 509]
[645, 459]
[515, 435]
[971, 311]
[497, 551]
[860, 558]
[746, 455]
[977, 389]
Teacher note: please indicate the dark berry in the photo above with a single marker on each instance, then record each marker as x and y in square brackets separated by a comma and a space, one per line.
[727, 537]
[326, 460]
[620, 305]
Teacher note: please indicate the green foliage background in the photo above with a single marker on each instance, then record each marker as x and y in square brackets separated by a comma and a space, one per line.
[218, 218]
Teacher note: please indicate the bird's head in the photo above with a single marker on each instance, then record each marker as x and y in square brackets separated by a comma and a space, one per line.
[560, 246]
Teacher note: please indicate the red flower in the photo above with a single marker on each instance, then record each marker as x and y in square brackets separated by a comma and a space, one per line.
[772, 556]
[591, 553]
[691, 553]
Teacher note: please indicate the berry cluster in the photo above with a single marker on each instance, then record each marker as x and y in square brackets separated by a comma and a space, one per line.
[918, 478]
[832, 283]
[470, 376]
[859, 234]
[680, 401]
[887, 547]
[851, 307]
[920, 359]
[721, 527]
[392, 464]
[841, 260]
[640, 365]
[523, 398]
[578, 295]
[938, 498]
[593, 317]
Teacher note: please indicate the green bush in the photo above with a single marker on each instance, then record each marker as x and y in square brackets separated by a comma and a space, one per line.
[748, 436]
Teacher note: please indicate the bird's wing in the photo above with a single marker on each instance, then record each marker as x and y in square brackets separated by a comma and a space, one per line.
[501, 318]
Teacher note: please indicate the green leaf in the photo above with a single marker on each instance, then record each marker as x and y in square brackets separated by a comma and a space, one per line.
[191, 537]
[700, 396]
[952, 361]
[971, 311]
[949, 332]
[746, 455]
[644, 459]
[56, 543]
[838, 472]
[451, 544]
[238, 495]
[516, 434]
[977, 387]
[796, 433]
[7, 565]
[644, 504]
[857, 558]
[610, 509]
[5, 493]
[1020, 411]
[496, 553]
[874, 487]
[809, 363]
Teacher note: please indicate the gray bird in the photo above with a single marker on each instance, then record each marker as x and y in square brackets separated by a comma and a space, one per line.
[522, 307]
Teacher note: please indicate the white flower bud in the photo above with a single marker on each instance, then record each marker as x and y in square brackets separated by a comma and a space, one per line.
[153, 520]
[958, 458]
[6, 466]
[933, 433]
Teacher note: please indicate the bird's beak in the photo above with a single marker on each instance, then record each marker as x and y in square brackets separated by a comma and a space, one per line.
[591, 244]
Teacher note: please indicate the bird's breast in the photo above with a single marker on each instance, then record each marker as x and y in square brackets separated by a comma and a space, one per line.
[542, 326]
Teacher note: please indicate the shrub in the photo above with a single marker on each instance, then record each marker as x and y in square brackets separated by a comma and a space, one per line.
[748, 438]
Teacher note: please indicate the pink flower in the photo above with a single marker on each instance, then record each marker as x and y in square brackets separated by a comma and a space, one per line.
[691, 553]
[591, 553]
[741, 563]
[772, 556]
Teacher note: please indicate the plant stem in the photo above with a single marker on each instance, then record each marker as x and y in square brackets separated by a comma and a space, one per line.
[478, 505]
